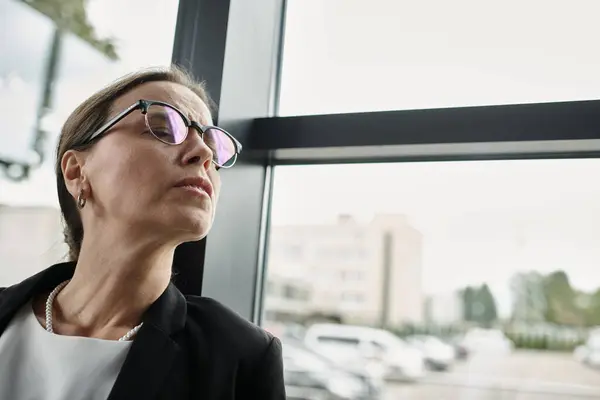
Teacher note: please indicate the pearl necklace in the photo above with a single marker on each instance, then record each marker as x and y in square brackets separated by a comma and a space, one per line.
[50, 301]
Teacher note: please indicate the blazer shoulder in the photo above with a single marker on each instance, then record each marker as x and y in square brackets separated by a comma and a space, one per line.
[4, 295]
[224, 325]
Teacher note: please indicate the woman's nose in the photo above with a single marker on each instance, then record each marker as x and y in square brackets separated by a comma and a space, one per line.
[196, 150]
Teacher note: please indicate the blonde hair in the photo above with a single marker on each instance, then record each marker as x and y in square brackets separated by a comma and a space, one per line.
[91, 115]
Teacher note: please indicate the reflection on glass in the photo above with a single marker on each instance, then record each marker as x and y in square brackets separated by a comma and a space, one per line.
[54, 55]
[442, 280]
[21, 79]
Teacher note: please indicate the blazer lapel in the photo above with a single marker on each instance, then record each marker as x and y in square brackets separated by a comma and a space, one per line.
[147, 365]
[153, 351]
[15, 297]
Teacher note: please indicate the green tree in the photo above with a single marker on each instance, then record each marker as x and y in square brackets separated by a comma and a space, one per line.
[592, 311]
[486, 298]
[479, 305]
[561, 299]
[71, 16]
[551, 298]
[467, 297]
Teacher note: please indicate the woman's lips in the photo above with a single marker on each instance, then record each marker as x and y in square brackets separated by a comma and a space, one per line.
[196, 183]
[194, 190]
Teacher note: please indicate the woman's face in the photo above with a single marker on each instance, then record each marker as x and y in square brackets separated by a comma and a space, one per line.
[136, 180]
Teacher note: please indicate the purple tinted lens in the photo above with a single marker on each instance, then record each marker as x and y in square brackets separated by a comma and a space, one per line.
[166, 124]
[222, 146]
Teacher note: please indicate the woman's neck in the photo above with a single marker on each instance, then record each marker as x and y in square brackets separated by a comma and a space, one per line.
[111, 289]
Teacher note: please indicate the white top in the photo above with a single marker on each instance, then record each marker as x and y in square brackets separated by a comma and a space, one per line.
[36, 364]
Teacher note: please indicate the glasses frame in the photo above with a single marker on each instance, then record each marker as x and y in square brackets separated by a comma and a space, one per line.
[144, 105]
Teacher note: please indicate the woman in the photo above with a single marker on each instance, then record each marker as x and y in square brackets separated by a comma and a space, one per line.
[137, 174]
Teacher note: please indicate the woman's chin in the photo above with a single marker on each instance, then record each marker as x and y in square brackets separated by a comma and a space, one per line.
[194, 229]
[189, 236]
[185, 224]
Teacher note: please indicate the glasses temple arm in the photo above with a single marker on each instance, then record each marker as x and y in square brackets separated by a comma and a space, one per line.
[114, 120]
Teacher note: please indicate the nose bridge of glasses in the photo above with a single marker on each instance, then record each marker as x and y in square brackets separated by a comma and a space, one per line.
[196, 127]
[199, 129]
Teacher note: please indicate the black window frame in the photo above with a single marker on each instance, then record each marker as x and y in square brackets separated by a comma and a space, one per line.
[218, 41]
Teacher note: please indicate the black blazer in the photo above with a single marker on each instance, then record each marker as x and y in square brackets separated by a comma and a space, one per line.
[189, 347]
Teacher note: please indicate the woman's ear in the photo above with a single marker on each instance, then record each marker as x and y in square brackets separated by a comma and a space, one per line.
[71, 164]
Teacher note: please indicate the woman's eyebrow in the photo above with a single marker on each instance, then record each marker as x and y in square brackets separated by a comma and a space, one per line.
[192, 111]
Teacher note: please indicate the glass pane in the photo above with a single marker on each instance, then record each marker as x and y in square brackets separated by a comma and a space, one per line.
[44, 74]
[355, 55]
[476, 279]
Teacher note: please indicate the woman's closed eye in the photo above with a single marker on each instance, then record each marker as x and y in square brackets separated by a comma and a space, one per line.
[161, 133]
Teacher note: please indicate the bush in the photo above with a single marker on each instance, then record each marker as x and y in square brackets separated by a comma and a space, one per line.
[542, 342]
[524, 339]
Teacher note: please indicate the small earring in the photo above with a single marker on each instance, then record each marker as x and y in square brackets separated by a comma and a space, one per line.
[81, 200]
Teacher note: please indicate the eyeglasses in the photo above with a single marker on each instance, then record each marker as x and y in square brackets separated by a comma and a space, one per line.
[171, 126]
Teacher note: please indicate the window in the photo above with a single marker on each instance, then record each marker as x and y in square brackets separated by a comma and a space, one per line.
[339, 341]
[401, 54]
[352, 275]
[44, 74]
[377, 345]
[488, 269]
[271, 289]
[288, 292]
[351, 297]
[294, 293]
[295, 252]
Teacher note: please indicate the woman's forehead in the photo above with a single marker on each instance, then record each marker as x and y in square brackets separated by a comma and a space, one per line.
[173, 93]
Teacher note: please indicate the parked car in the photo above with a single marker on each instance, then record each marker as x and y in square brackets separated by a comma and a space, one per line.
[460, 350]
[480, 340]
[310, 376]
[381, 351]
[589, 353]
[439, 356]
[581, 353]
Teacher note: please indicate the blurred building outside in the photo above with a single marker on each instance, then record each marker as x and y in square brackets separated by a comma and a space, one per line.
[352, 272]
